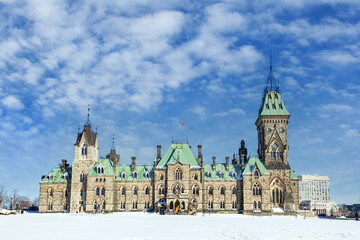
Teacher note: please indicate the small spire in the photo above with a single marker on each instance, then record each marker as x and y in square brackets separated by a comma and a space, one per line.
[272, 85]
[113, 143]
[88, 122]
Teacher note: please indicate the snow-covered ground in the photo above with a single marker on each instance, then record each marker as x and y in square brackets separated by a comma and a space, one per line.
[152, 226]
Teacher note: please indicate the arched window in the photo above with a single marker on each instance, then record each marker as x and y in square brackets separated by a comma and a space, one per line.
[259, 205]
[81, 193]
[161, 177]
[273, 196]
[272, 154]
[102, 191]
[256, 189]
[211, 191]
[183, 205]
[147, 175]
[278, 154]
[147, 191]
[102, 170]
[123, 191]
[256, 174]
[135, 191]
[123, 175]
[97, 190]
[254, 205]
[161, 190]
[82, 176]
[103, 205]
[84, 150]
[195, 189]
[222, 205]
[122, 205]
[233, 190]
[50, 192]
[135, 175]
[222, 190]
[178, 174]
[208, 174]
[182, 189]
[281, 196]
[195, 177]
[277, 195]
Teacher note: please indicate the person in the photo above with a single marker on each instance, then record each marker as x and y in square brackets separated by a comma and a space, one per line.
[356, 216]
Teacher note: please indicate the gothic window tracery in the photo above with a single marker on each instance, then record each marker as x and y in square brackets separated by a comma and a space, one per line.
[178, 174]
[256, 189]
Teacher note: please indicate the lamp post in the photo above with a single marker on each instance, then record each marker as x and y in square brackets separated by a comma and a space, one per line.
[11, 203]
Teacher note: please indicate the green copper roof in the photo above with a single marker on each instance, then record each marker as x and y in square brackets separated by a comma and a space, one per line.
[57, 176]
[107, 164]
[293, 175]
[144, 172]
[178, 152]
[250, 165]
[272, 104]
[210, 174]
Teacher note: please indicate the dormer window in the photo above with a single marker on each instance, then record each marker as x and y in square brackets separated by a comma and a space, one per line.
[221, 174]
[51, 177]
[256, 174]
[84, 150]
[233, 174]
[147, 175]
[100, 170]
[135, 175]
[208, 174]
[123, 175]
[195, 177]
[161, 177]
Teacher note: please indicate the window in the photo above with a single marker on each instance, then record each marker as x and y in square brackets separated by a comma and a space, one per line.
[259, 205]
[161, 177]
[195, 189]
[195, 177]
[103, 191]
[182, 189]
[211, 191]
[134, 174]
[135, 191]
[97, 180]
[122, 205]
[102, 170]
[254, 205]
[66, 176]
[147, 191]
[50, 207]
[171, 205]
[95, 205]
[272, 154]
[81, 193]
[147, 175]
[66, 192]
[233, 205]
[222, 190]
[278, 154]
[103, 205]
[233, 174]
[183, 205]
[222, 205]
[256, 174]
[97, 190]
[161, 190]
[84, 150]
[51, 177]
[123, 191]
[221, 174]
[233, 190]
[178, 174]
[256, 189]
[210, 205]
[134, 205]
[123, 175]
[50, 192]
[208, 174]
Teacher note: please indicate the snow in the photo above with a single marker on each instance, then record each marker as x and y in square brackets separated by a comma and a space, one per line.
[6, 212]
[277, 210]
[152, 226]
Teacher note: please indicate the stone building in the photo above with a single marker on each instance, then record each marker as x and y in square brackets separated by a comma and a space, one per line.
[178, 179]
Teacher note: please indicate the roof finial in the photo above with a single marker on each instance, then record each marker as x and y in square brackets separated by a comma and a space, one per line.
[272, 85]
[88, 122]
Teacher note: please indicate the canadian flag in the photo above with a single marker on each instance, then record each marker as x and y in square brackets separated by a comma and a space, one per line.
[181, 123]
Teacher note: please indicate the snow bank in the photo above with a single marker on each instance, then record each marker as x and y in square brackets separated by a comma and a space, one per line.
[7, 212]
[151, 226]
[277, 210]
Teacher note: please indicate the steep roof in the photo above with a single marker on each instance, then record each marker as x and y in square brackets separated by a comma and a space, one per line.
[215, 174]
[103, 162]
[90, 136]
[141, 171]
[272, 104]
[250, 165]
[178, 152]
[58, 176]
[293, 175]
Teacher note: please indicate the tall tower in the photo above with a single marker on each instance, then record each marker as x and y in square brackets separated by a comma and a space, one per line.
[86, 155]
[272, 127]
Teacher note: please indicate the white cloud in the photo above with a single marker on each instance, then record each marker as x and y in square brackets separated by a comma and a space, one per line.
[12, 102]
[336, 107]
[233, 111]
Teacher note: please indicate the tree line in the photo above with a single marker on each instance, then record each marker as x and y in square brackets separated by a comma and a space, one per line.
[13, 200]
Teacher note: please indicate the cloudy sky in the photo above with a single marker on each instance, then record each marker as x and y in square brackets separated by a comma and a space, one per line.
[145, 65]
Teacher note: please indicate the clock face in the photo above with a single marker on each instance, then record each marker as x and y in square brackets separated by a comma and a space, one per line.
[268, 130]
[282, 130]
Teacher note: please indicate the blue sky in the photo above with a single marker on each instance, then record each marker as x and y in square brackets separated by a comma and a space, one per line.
[145, 65]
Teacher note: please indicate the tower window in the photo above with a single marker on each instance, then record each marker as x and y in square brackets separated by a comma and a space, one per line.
[256, 189]
[161, 190]
[195, 189]
[256, 174]
[84, 150]
[178, 174]
[161, 177]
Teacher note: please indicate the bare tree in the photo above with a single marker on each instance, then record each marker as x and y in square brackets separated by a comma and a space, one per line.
[2, 195]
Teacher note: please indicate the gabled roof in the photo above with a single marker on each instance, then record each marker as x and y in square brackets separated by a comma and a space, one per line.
[272, 104]
[103, 162]
[178, 152]
[293, 175]
[90, 136]
[251, 163]
[58, 176]
[141, 171]
[221, 168]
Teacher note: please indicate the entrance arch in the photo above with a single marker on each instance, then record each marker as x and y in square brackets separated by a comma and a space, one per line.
[277, 190]
[177, 206]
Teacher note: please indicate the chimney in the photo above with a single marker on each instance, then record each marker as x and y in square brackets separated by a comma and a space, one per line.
[235, 160]
[227, 163]
[200, 158]
[213, 166]
[242, 154]
[133, 163]
[158, 155]
[63, 165]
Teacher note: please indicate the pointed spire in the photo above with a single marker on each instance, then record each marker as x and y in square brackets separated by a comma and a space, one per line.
[272, 85]
[88, 122]
[113, 143]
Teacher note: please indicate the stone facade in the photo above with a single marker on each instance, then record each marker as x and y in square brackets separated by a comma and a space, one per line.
[179, 180]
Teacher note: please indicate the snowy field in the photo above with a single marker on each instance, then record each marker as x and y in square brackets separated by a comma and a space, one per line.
[152, 226]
